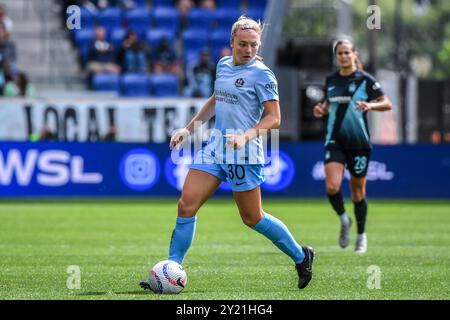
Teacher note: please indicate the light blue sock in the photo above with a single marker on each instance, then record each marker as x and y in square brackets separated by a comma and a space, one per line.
[278, 233]
[182, 238]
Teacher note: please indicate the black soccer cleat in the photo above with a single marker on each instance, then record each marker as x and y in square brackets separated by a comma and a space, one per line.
[304, 269]
[145, 285]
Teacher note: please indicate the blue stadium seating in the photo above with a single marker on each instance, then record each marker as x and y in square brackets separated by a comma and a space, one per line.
[135, 85]
[194, 40]
[199, 18]
[140, 3]
[83, 38]
[218, 39]
[164, 85]
[110, 18]
[257, 4]
[154, 36]
[167, 18]
[106, 82]
[229, 4]
[138, 20]
[87, 18]
[256, 14]
[224, 18]
[116, 37]
[163, 3]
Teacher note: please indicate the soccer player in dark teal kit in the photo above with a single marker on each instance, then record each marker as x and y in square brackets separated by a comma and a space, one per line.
[351, 93]
[245, 102]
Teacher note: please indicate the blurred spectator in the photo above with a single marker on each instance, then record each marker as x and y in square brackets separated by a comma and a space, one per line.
[5, 20]
[224, 52]
[134, 55]
[47, 134]
[111, 135]
[19, 87]
[436, 137]
[200, 79]
[165, 59]
[208, 5]
[183, 7]
[101, 54]
[7, 48]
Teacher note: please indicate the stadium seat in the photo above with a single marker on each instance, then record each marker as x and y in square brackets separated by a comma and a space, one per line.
[138, 20]
[135, 85]
[229, 4]
[257, 4]
[164, 85]
[106, 82]
[83, 36]
[217, 41]
[200, 18]
[116, 37]
[110, 18]
[166, 18]
[224, 18]
[141, 3]
[256, 14]
[163, 3]
[87, 18]
[194, 40]
[154, 37]
[84, 53]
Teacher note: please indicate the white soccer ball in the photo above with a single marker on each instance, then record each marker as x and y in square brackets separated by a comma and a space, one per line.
[167, 277]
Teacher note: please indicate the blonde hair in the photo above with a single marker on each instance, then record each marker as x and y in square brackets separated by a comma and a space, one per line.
[246, 23]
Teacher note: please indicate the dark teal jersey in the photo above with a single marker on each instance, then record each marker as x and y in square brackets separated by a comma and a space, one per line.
[347, 127]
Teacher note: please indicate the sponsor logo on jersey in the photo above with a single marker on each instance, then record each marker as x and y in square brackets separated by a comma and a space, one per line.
[352, 87]
[271, 85]
[239, 82]
[340, 99]
[376, 86]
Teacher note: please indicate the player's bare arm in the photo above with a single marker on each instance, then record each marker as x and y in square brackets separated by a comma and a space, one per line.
[270, 120]
[381, 104]
[205, 113]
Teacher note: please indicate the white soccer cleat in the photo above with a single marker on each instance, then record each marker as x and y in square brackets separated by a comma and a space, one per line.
[361, 243]
[344, 236]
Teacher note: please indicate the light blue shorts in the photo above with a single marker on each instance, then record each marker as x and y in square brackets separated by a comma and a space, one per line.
[242, 177]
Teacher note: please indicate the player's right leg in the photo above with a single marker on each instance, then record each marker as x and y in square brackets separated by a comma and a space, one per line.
[334, 173]
[197, 188]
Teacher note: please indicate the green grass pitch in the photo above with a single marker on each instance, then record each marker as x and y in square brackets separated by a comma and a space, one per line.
[114, 243]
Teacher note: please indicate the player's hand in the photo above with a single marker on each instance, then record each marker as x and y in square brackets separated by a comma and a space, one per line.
[178, 137]
[319, 110]
[362, 106]
[236, 141]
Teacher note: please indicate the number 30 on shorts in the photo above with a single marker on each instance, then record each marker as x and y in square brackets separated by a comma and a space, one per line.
[360, 164]
[237, 171]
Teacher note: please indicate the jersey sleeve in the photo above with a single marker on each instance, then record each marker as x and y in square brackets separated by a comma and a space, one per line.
[266, 86]
[374, 90]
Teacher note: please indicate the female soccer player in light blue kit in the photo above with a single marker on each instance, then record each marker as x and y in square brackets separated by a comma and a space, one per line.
[245, 98]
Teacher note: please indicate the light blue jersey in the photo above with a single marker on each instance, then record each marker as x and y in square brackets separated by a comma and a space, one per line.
[240, 92]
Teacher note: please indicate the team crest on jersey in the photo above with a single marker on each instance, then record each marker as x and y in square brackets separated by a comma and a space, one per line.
[352, 87]
[239, 82]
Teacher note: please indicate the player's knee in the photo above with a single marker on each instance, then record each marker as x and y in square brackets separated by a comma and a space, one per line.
[332, 189]
[358, 194]
[249, 221]
[186, 208]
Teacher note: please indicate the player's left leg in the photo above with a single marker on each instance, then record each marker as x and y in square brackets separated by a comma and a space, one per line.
[358, 164]
[358, 188]
[252, 214]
